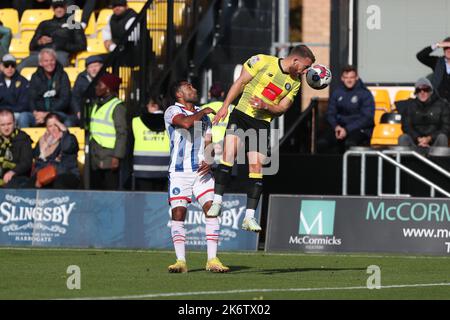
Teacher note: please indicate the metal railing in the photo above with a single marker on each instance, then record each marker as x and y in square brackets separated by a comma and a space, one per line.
[386, 155]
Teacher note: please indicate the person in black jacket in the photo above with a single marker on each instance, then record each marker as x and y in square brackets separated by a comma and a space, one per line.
[16, 155]
[57, 147]
[121, 20]
[58, 35]
[14, 92]
[427, 121]
[50, 90]
[79, 94]
[350, 115]
[440, 65]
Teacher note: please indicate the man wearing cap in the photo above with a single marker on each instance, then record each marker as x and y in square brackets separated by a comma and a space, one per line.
[14, 92]
[58, 35]
[108, 134]
[118, 24]
[440, 65]
[79, 94]
[427, 121]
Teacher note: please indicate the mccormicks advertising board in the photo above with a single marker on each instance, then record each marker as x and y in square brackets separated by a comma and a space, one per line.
[358, 224]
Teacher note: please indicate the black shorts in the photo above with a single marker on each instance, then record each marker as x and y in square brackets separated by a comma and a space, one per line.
[255, 132]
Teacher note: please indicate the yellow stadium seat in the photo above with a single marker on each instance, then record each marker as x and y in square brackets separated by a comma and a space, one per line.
[157, 14]
[94, 47]
[386, 134]
[10, 19]
[73, 73]
[90, 28]
[28, 72]
[103, 18]
[32, 17]
[19, 48]
[158, 38]
[382, 103]
[136, 5]
[27, 35]
[403, 95]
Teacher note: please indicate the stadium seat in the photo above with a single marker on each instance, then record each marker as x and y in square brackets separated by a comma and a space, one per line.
[90, 28]
[136, 5]
[387, 131]
[28, 72]
[94, 47]
[19, 48]
[157, 14]
[32, 17]
[73, 73]
[10, 19]
[382, 103]
[103, 18]
[158, 38]
[403, 95]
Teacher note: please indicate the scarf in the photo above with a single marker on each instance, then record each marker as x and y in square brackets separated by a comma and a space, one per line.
[6, 156]
[47, 145]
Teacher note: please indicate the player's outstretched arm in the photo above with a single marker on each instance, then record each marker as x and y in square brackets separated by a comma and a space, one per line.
[274, 109]
[187, 122]
[236, 89]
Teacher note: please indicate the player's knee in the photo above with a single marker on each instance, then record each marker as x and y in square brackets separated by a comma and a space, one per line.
[179, 208]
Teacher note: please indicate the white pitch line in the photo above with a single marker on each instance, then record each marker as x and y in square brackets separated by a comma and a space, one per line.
[239, 253]
[200, 293]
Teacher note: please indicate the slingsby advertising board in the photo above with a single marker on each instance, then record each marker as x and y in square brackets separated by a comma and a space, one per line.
[51, 218]
[358, 224]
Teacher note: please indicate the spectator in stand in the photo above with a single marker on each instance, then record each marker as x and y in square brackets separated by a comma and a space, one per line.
[57, 147]
[56, 34]
[121, 20]
[427, 121]
[5, 39]
[350, 115]
[79, 94]
[14, 92]
[50, 90]
[440, 65]
[16, 155]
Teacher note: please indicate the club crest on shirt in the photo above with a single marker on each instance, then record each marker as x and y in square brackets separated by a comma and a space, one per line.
[354, 99]
[18, 84]
[288, 86]
[176, 191]
[253, 60]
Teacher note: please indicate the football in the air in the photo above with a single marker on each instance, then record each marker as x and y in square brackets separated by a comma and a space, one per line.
[318, 76]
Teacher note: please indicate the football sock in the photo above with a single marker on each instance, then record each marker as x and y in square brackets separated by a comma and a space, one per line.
[254, 191]
[212, 236]
[222, 177]
[179, 239]
[250, 213]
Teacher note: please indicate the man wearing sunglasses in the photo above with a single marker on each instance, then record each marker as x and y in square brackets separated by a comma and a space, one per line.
[440, 66]
[57, 34]
[427, 121]
[14, 92]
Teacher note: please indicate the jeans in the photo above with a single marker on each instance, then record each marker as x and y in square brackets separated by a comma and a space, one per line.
[24, 119]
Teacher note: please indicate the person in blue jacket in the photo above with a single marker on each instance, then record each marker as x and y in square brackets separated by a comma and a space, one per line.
[350, 115]
[14, 92]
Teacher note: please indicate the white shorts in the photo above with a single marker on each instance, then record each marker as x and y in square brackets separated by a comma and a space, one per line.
[182, 185]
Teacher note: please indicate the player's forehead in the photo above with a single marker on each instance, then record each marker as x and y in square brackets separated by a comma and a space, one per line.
[186, 84]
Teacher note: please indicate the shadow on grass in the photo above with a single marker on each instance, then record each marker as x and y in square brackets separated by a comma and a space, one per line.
[294, 270]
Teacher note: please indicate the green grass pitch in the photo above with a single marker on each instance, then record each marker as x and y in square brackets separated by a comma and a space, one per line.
[127, 274]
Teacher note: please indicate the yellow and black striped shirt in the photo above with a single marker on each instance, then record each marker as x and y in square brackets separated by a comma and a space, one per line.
[269, 83]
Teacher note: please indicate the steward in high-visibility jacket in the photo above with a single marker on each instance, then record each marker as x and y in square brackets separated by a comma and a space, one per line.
[108, 134]
[151, 153]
